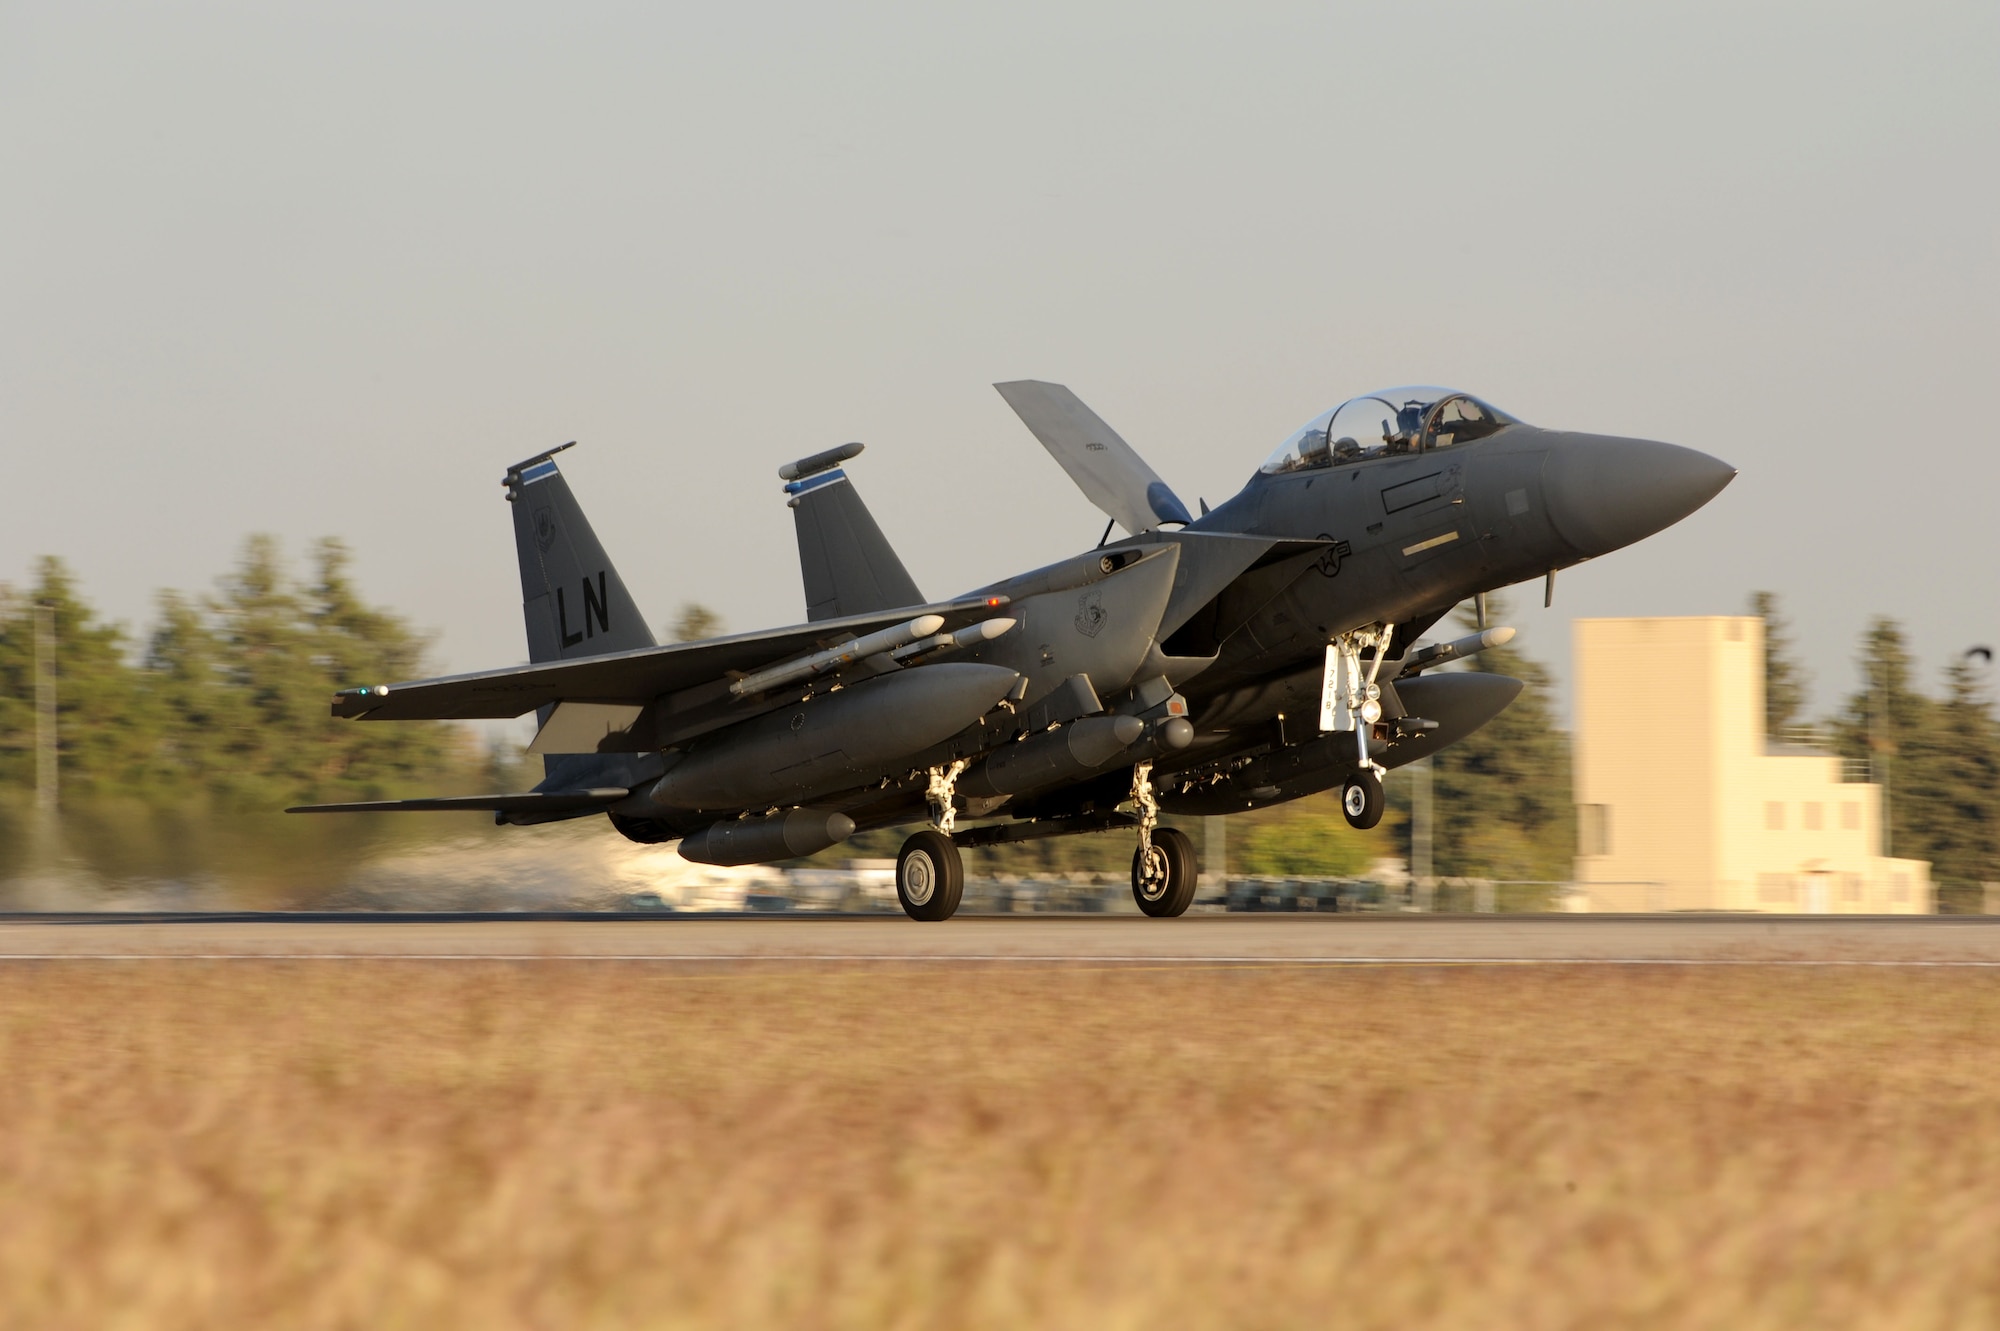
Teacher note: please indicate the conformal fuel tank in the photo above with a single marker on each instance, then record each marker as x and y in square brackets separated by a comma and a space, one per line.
[834, 742]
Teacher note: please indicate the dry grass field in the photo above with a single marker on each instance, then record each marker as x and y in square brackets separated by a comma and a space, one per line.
[388, 1145]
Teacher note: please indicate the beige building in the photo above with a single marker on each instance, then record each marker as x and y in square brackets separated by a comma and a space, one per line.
[1683, 802]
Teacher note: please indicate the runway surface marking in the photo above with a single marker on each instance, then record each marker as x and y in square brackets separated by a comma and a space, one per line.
[1070, 959]
[753, 944]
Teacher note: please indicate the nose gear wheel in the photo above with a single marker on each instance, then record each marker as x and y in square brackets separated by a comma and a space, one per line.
[1361, 800]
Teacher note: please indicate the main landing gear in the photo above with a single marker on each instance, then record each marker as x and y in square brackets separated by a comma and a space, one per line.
[930, 873]
[930, 876]
[1163, 868]
[1164, 873]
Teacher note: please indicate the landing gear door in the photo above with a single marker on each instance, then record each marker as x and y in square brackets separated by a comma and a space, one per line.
[1336, 687]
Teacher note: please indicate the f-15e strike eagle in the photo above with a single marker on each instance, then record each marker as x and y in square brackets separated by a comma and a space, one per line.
[1265, 650]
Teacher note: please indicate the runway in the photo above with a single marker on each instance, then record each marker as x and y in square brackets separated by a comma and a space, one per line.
[1959, 941]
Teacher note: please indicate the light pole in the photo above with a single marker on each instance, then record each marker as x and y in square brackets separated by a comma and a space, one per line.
[1421, 815]
[1216, 836]
[1878, 762]
[45, 711]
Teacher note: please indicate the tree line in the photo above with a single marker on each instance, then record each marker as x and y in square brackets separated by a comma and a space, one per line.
[1936, 753]
[1503, 795]
[225, 699]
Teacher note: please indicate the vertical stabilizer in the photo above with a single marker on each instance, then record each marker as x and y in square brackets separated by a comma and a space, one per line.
[846, 563]
[573, 599]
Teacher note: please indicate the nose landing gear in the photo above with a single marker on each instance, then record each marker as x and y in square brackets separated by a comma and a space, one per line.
[1350, 699]
[1361, 799]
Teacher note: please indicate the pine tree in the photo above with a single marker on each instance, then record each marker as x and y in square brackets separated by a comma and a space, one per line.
[1784, 677]
[1503, 794]
[101, 730]
[189, 705]
[1951, 789]
[694, 622]
[352, 643]
[230, 697]
[1886, 723]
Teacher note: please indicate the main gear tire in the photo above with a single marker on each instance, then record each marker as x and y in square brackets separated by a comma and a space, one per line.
[1164, 874]
[930, 876]
[1361, 800]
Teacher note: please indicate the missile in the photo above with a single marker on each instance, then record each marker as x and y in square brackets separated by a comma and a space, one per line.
[837, 741]
[774, 836]
[833, 658]
[1076, 750]
[1438, 653]
[970, 636]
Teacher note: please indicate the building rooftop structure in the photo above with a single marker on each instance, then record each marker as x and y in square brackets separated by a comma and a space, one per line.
[1684, 802]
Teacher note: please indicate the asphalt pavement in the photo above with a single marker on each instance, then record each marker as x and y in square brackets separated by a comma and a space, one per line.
[1214, 938]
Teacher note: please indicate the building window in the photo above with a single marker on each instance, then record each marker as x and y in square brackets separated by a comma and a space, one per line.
[1812, 815]
[1850, 815]
[1850, 887]
[1774, 887]
[1774, 816]
[1593, 829]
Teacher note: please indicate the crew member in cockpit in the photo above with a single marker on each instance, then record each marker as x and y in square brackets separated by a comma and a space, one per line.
[1312, 449]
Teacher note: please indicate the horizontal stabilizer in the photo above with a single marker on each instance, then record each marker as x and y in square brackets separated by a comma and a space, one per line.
[1106, 468]
[550, 801]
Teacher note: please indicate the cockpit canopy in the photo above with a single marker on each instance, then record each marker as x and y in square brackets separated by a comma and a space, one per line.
[1395, 420]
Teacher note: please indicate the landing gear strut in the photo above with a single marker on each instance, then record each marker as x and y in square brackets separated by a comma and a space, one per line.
[1349, 698]
[1164, 874]
[941, 795]
[1163, 868]
[930, 876]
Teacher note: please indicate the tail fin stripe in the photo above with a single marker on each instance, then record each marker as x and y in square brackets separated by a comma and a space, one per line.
[819, 482]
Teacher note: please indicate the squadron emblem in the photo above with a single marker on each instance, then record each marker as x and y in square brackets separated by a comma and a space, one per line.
[1328, 562]
[1090, 614]
[545, 528]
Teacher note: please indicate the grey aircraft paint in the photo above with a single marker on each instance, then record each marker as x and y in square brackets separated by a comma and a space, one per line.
[1198, 649]
[848, 565]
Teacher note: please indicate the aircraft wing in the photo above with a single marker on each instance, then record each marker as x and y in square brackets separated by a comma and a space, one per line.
[1106, 468]
[630, 678]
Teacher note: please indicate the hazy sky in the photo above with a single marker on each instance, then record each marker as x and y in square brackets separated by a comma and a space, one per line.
[329, 269]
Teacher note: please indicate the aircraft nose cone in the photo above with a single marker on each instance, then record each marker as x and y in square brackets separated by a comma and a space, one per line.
[1604, 492]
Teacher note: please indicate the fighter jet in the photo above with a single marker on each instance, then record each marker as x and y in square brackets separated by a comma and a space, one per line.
[1268, 649]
